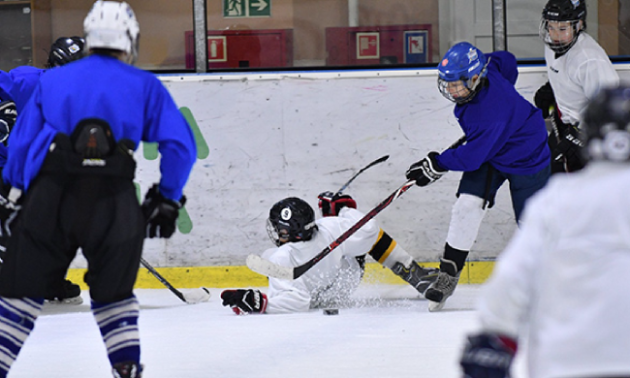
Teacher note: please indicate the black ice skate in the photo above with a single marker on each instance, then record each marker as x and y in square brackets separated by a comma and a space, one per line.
[418, 277]
[68, 293]
[444, 287]
[127, 370]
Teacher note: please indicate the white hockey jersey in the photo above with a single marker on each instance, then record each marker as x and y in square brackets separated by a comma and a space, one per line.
[577, 76]
[333, 279]
[562, 283]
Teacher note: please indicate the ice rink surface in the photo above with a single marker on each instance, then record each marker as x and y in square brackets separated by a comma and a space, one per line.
[388, 333]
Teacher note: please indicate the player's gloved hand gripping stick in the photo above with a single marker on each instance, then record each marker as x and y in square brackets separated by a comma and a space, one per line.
[267, 268]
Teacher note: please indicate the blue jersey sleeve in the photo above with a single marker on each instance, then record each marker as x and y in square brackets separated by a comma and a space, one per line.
[504, 62]
[18, 85]
[166, 125]
[28, 130]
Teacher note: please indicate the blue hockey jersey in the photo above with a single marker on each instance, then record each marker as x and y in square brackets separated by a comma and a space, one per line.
[501, 127]
[18, 84]
[134, 103]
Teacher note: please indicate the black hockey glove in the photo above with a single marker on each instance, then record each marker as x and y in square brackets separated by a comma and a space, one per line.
[245, 301]
[545, 99]
[426, 171]
[8, 115]
[331, 203]
[160, 213]
[488, 355]
[569, 147]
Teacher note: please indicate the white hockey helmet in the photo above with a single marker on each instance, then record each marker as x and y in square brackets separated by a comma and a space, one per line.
[112, 25]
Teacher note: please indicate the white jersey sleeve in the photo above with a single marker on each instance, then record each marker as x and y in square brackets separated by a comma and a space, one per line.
[286, 296]
[578, 75]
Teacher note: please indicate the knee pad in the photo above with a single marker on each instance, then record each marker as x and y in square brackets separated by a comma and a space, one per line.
[466, 217]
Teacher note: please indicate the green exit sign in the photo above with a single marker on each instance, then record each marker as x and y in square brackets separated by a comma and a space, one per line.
[246, 8]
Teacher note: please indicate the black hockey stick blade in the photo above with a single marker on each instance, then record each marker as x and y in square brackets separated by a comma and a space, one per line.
[377, 161]
[192, 296]
[267, 268]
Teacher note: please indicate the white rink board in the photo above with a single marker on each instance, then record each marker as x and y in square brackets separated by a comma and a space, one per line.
[274, 135]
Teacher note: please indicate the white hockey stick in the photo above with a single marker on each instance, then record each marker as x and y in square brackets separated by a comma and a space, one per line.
[191, 296]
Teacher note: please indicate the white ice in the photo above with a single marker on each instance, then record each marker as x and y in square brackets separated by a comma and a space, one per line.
[388, 333]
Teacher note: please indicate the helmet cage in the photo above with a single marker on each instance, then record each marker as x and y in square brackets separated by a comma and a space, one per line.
[560, 47]
[467, 89]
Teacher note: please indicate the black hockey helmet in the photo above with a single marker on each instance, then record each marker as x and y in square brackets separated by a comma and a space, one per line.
[291, 220]
[571, 11]
[565, 10]
[65, 50]
[606, 123]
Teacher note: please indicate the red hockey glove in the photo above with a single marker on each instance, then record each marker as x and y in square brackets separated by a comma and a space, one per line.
[426, 171]
[245, 301]
[488, 355]
[331, 203]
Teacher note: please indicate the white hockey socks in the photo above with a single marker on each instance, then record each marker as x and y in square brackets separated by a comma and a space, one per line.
[466, 217]
[118, 322]
[17, 319]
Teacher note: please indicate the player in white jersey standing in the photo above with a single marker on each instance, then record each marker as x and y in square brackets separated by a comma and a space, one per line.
[562, 282]
[577, 68]
[330, 283]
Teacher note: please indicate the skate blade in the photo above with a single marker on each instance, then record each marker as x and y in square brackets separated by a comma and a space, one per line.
[436, 306]
[66, 301]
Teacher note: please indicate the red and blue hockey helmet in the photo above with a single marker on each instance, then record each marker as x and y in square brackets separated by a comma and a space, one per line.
[460, 72]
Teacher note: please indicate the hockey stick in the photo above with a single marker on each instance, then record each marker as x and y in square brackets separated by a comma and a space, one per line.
[377, 161]
[267, 268]
[198, 295]
[556, 132]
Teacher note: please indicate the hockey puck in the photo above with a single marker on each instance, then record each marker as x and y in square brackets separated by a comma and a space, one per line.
[331, 311]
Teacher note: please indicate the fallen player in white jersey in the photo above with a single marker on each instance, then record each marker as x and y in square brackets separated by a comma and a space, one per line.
[331, 282]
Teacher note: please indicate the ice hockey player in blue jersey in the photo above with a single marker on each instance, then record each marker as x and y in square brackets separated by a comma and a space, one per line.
[506, 139]
[71, 153]
[16, 87]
